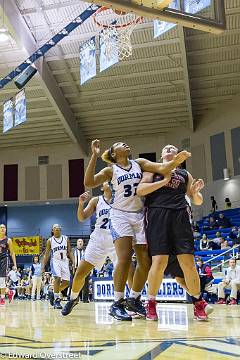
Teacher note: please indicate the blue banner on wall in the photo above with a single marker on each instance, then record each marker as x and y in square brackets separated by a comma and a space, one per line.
[159, 26]
[8, 110]
[87, 60]
[194, 6]
[108, 50]
[20, 108]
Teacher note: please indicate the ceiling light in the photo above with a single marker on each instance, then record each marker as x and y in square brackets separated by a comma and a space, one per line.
[4, 36]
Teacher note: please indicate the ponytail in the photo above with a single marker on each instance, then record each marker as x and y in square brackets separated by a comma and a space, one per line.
[107, 156]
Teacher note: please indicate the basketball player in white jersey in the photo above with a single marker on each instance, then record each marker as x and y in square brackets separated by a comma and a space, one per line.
[60, 249]
[100, 245]
[6, 247]
[127, 218]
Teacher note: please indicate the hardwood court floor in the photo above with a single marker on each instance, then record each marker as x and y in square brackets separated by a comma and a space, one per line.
[35, 329]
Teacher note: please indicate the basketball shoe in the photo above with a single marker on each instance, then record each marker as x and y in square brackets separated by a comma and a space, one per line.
[117, 310]
[208, 308]
[233, 302]
[69, 306]
[10, 295]
[199, 310]
[2, 302]
[57, 304]
[221, 302]
[151, 310]
[51, 297]
[135, 305]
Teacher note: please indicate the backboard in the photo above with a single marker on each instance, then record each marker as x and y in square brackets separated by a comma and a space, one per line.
[189, 14]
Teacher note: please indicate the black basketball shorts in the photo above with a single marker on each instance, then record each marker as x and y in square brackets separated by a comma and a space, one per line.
[3, 267]
[173, 268]
[169, 232]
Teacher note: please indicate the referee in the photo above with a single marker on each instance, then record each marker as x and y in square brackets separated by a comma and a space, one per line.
[78, 256]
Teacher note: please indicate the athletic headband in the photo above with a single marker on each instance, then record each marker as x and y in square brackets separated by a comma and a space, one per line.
[56, 226]
[110, 151]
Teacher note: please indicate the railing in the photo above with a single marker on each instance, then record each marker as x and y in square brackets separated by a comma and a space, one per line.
[234, 255]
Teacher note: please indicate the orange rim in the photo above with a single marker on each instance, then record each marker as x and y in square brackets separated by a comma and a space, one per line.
[104, 26]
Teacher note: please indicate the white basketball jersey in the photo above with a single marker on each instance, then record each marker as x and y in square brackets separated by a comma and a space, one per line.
[59, 247]
[125, 184]
[102, 214]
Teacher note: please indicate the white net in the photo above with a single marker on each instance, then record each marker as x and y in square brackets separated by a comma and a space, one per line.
[120, 30]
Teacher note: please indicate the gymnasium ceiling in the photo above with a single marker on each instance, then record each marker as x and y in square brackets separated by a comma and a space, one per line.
[169, 82]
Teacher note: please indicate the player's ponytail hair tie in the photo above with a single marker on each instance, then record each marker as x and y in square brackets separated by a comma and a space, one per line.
[107, 156]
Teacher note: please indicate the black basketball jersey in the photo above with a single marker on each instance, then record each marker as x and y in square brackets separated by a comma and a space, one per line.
[3, 248]
[172, 195]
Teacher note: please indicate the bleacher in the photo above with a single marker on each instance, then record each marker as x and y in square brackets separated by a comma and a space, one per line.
[222, 255]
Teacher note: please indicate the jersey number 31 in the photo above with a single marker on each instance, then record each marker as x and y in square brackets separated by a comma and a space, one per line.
[130, 190]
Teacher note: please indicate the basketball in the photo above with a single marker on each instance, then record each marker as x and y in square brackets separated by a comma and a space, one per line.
[119, 12]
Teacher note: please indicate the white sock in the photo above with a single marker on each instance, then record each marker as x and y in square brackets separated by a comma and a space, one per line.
[73, 295]
[151, 297]
[2, 296]
[56, 296]
[118, 295]
[134, 294]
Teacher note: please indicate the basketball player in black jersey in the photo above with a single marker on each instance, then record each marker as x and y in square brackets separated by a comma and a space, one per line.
[169, 229]
[6, 247]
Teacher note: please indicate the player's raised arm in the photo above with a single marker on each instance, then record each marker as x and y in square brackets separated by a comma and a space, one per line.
[46, 255]
[194, 188]
[91, 179]
[147, 186]
[85, 213]
[166, 167]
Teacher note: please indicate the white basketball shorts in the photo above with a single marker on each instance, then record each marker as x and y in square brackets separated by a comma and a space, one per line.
[60, 268]
[2, 282]
[127, 224]
[100, 246]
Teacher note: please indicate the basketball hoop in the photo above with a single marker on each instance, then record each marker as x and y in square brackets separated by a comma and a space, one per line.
[119, 26]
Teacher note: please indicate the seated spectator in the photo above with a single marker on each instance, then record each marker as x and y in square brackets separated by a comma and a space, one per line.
[228, 203]
[223, 222]
[216, 242]
[231, 281]
[14, 277]
[206, 277]
[196, 230]
[233, 233]
[214, 205]
[224, 244]
[204, 243]
[238, 234]
[211, 224]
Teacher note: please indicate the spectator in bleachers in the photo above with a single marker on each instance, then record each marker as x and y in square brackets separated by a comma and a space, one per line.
[204, 243]
[211, 223]
[206, 276]
[233, 233]
[216, 242]
[231, 281]
[223, 222]
[228, 203]
[214, 205]
[224, 244]
[196, 230]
